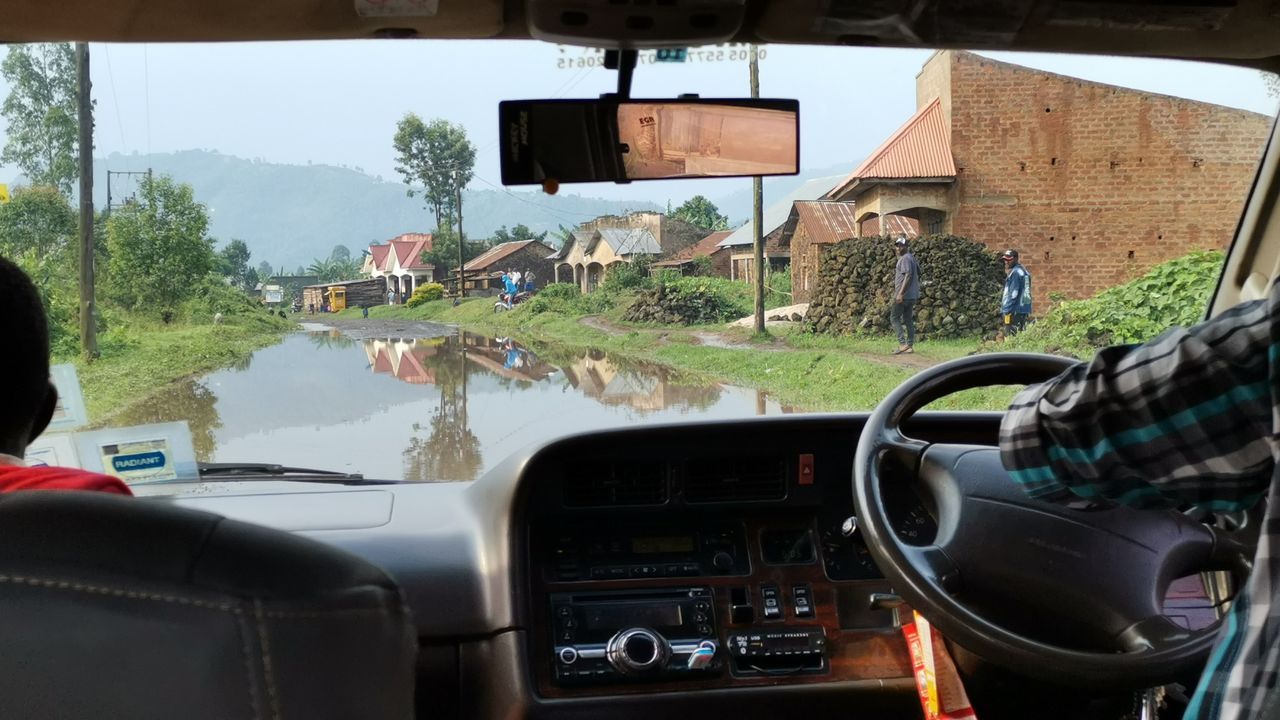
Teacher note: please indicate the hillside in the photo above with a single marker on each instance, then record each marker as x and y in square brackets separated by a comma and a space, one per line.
[291, 214]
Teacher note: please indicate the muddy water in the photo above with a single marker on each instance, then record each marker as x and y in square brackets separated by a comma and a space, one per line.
[443, 405]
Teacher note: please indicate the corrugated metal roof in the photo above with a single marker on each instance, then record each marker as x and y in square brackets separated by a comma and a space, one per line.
[705, 246]
[776, 214]
[921, 148]
[828, 221]
[496, 254]
[634, 241]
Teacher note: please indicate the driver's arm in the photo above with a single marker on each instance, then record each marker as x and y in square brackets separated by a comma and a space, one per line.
[1188, 417]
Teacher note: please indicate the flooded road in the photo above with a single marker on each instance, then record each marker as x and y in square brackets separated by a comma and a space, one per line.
[441, 405]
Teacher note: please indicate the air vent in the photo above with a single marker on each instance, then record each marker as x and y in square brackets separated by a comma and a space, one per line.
[749, 479]
[615, 484]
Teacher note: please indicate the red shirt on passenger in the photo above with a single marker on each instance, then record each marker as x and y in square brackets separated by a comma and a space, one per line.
[15, 477]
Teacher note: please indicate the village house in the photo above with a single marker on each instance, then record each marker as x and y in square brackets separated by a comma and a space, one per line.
[706, 247]
[588, 255]
[1091, 183]
[813, 226]
[483, 274]
[400, 262]
[671, 234]
[777, 256]
[405, 360]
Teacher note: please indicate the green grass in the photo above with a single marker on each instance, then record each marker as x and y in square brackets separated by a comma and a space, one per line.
[141, 357]
[814, 373]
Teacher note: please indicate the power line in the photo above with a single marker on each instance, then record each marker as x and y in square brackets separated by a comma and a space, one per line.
[114, 100]
[548, 208]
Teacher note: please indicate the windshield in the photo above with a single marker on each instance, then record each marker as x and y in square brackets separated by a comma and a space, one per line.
[304, 255]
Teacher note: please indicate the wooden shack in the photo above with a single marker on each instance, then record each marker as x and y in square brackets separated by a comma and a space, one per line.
[360, 293]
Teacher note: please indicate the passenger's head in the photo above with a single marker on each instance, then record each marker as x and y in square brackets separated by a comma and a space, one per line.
[29, 397]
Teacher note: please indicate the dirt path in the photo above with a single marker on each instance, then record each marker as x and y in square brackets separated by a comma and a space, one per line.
[595, 322]
[726, 342]
[374, 328]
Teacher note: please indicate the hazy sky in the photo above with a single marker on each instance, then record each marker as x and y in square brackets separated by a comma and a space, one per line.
[338, 102]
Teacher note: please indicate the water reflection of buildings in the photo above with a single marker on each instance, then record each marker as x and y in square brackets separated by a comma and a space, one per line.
[646, 388]
[417, 360]
[407, 360]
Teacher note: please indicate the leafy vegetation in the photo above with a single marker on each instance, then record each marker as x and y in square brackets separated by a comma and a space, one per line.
[436, 160]
[158, 249]
[1172, 293]
[700, 211]
[40, 113]
[426, 293]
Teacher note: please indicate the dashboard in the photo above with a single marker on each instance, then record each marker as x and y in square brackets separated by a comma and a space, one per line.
[713, 566]
[705, 567]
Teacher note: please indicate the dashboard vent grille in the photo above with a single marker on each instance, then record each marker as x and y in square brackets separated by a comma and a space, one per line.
[617, 484]
[735, 480]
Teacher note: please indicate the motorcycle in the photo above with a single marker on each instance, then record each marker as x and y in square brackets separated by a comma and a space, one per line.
[504, 304]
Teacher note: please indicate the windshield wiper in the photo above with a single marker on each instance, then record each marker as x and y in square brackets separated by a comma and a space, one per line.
[271, 471]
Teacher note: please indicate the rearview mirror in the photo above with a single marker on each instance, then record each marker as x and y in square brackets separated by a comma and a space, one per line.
[576, 141]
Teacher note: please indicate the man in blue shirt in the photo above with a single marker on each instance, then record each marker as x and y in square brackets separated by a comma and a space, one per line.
[1015, 305]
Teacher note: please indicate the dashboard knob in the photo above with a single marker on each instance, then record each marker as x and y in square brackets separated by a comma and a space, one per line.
[722, 561]
[849, 526]
[636, 651]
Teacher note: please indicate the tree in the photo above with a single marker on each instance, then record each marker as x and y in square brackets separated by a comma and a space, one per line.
[38, 219]
[700, 211]
[233, 265]
[1273, 83]
[516, 234]
[331, 270]
[265, 271]
[444, 250]
[41, 113]
[435, 159]
[159, 247]
[340, 252]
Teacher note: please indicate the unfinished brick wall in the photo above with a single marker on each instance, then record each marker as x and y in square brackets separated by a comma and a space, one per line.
[1093, 184]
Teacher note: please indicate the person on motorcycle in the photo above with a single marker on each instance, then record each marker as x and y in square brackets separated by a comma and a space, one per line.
[509, 283]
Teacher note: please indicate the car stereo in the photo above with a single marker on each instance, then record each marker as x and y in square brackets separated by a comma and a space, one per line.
[608, 637]
[645, 552]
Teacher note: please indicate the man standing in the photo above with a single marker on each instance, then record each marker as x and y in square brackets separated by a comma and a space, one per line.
[1015, 305]
[906, 291]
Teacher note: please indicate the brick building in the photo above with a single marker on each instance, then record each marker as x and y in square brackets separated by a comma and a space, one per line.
[812, 226]
[1091, 183]
[706, 247]
[483, 274]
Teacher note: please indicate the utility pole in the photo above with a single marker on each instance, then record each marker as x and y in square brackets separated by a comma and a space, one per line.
[88, 328]
[462, 281]
[757, 211]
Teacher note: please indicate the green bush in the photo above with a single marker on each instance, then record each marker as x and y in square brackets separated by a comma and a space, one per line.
[560, 291]
[1170, 294]
[211, 296]
[777, 289]
[425, 293]
[627, 275]
[690, 301]
[702, 266]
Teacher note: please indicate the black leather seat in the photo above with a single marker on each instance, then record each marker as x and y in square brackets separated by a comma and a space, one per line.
[114, 607]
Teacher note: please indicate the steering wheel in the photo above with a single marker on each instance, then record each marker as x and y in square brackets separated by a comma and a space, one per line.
[1097, 575]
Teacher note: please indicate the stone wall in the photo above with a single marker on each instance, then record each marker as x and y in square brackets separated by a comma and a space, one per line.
[961, 283]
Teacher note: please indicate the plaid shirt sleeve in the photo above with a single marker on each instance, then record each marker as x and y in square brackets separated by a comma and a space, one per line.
[1186, 418]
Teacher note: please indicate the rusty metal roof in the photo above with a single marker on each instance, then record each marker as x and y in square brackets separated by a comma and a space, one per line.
[705, 246]
[496, 254]
[921, 148]
[826, 221]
